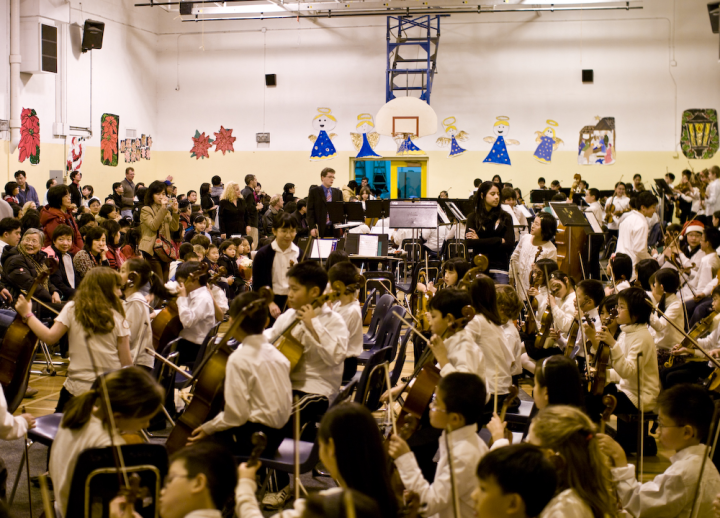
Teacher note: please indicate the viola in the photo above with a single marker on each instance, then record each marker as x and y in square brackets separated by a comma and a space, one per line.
[609, 402]
[166, 326]
[17, 349]
[602, 360]
[209, 380]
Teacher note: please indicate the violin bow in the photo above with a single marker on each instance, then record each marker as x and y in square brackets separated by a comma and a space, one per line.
[640, 466]
[388, 288]
[453, 484]
[691, 339]
[526, 302]
[391, 412]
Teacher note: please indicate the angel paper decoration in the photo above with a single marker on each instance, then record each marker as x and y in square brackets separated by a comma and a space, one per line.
[323, 148]
[498, 154]
[548, 143]
[365, 141]
[406, 146]
[452, 138]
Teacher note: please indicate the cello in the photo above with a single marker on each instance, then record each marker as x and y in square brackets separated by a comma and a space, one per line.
[17, 349]
[166, 325]
[209, 380]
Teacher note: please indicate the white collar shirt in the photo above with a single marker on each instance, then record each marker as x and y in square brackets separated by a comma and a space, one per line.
[284, 259]
[512, 337]
[352, 315]
[467, 449]
[320, 368]
[624, 353]
[633, 237]
[564, 313]
[463, 355]
[137, 313]
[597, 211]
[664, 334]
[523, 258]
[707, 271]
[671, 493]
[431, 237]
[498, 360]
[257, 387]
[567, 504]
[11, 427]
[712, 197]
[197, 315]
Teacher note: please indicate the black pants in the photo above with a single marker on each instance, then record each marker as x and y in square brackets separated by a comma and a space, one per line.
[350, 369]
[626, 432]
[63, 399]
[688, 372]
[187, 352]
[239, 439]
[538, 353]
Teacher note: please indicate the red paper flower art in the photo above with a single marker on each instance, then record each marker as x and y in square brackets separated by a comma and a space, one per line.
[29, 145]
[224, 140]
[109, 140]
[201, 144]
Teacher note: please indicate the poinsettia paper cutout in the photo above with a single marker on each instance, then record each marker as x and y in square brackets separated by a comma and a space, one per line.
[29, 145]
[224, 140]
[109, 139]
[201, 144]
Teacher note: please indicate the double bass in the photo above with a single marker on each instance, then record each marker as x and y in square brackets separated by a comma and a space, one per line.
[17, 349]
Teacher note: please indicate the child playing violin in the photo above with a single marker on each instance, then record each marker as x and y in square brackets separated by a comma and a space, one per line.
[456, 410]
[620, 269]
[348, 307]
[453, 271]
[532, 247]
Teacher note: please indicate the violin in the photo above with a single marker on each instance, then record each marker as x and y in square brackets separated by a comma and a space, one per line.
[598, 373]
[610, 209]
[166, 326]
[17, 349]
[699, 330]
[481, 263]
[420, 308]
[209, 380]
[217, 276]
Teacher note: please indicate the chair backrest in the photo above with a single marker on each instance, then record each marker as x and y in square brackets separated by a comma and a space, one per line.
[372, 380]
[95, 479]
[383, 282]
[345, 393]
[389, 333]
[400, 357]
[366, 306]
[457, 249]
[413, 249]
[381, 309]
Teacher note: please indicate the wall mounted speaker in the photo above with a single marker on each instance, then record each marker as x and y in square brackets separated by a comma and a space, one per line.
[92, 35]
[186, 8]
[588, 76]
[270, 80]
[713, 12]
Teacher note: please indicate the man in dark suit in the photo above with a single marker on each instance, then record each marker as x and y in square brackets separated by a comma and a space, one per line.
[317, 213]
[252, 205]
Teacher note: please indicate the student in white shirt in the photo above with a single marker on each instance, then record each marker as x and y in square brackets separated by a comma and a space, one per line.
[712, 192]
[583, 489]
[488, 335]
[456, 410]
[622, 205]
[324, 336]
[508, 199]
[532, 247]
[272, 262]
[98, 334]
[591, 198]
[509, 306]
[707, 270]
[138, 276]
[11, 428]
[134, 398]
[664, 285]
[195, 309]
[684, 422]
[348, 307]
[620, 270]
[633, 317]
[258, 394]
[517, 481]
[633, 232]
[562, 301]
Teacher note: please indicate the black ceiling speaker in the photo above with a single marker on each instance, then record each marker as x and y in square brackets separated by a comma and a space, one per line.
[713, 12]
[270, 80]
[92, 35]
[186, 8]
[588, 76]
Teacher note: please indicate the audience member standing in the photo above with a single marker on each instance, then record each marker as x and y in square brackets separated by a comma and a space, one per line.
[75, 194]
[128, 193]
[27, 192]
[232, 212]
[252, 206]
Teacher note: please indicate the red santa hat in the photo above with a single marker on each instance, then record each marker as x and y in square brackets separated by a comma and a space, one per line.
[693, 226]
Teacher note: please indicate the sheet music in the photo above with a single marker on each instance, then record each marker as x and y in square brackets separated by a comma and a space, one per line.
[597, 229]
[525, 211]
[443, 216]
[368, 246]
[324, 246]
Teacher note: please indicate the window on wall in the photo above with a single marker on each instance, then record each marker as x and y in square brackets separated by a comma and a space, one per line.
[377, 174]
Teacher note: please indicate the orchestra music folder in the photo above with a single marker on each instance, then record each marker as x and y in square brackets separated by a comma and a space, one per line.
[570, 215]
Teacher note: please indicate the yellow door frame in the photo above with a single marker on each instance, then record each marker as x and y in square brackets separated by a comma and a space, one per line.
[395, 162]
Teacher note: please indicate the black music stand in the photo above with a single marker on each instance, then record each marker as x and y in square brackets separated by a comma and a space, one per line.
[377, 209]
[542, 196]
[415, 215]
[667, 190]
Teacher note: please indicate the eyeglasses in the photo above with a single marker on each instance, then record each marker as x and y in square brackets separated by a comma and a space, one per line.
[662, 425]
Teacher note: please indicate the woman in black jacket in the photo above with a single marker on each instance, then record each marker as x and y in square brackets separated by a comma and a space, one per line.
[232, 212]
[206, 201]
[289, 193]
[490, 232]
[21, 265]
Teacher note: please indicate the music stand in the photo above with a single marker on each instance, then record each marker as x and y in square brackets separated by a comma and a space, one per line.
[542, 196]
[416, 215]
[354, 211]
[667, 190]
[377, 209]
[570, 215]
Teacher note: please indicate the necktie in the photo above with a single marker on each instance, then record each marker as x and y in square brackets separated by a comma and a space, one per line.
[328, 198]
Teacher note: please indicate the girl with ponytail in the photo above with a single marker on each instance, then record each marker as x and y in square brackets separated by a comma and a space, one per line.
[136, 274]
[134, 397]
[584, 479]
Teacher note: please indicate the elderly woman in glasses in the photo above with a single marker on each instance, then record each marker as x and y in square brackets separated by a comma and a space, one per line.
[22, 264]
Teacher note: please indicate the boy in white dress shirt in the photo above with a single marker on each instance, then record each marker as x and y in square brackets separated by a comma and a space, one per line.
[684, 417]
[633, 231]
[349, 309]
[664, 284]
[258, 394]
[457, 408]
[196, 311]
[324, 336]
